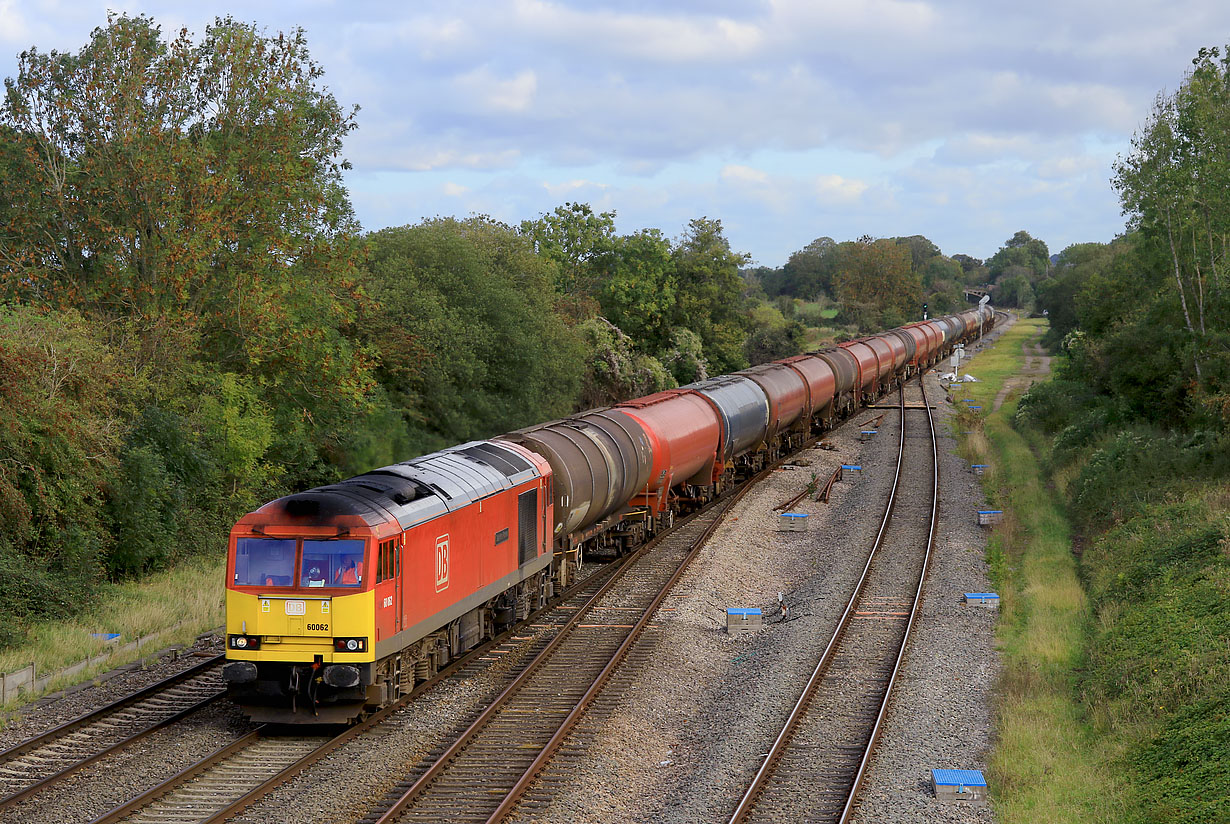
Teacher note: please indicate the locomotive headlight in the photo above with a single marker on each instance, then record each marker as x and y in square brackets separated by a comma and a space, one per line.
[241, 642]
[352, 645]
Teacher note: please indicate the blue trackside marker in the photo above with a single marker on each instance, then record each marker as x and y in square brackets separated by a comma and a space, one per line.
[958, 778]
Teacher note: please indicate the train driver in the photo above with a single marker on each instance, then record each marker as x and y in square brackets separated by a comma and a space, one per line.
[347, 575]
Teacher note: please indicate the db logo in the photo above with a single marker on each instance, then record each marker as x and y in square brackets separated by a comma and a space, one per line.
[441, 562]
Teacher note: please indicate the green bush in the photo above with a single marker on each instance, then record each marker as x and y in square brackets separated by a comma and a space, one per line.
[1187, 766]
[1051, 405]
[1138, 466]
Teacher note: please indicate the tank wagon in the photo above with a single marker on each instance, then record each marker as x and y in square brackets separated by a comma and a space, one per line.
[340, 598]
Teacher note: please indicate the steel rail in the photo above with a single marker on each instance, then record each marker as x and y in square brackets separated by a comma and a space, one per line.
[463, 740]
[118, 704]
[918, 593]
[43, 783]
[557, 740]
[778, 748]
[177, 780]
[263, 789]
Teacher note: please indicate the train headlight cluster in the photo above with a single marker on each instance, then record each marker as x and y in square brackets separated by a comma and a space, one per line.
[244, 642]
[350, 645]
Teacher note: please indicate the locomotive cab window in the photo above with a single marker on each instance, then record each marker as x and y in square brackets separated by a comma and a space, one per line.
[387, 561]
[264, 562]
[339, 562]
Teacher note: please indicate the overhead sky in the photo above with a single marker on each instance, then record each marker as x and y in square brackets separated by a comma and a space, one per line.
[961, 120]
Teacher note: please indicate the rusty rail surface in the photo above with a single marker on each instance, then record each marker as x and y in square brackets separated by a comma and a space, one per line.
[47, 759]
[768, 772]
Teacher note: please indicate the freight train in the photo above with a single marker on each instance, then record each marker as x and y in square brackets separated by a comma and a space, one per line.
[339, 599]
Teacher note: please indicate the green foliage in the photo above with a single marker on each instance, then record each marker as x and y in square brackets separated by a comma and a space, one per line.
[639, 292]
[773, 337]
[1187, 765]
[877, 286]
[710, 294]
[162, 479]
[239, 428]
[684, 358]
[615, 371]
[1173, 185]
[59, 386]
[470, 346]
[809, 272]
[1051, 405]
[189, 194]
[578, 241]
[1137, 466]
[1159, 654]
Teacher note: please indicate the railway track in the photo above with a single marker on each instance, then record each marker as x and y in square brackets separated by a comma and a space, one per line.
[228, 781]
[483, 773]
[40, 762]
[814, 768]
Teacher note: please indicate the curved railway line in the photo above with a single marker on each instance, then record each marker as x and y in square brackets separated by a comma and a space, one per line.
[814, 768]
[46, 759]
[495, 755]
[226, 782]
[481, 776]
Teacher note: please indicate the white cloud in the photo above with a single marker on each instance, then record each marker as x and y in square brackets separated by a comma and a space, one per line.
[835, 188]
[13, 28]
[490, 92]
[571, 187]
[454, 189]
[743, 174]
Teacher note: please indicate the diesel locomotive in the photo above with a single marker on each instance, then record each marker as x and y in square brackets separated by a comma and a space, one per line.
[340, 598]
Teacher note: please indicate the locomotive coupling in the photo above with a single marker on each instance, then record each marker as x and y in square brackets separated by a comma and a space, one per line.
[341, 676]
[239, 672]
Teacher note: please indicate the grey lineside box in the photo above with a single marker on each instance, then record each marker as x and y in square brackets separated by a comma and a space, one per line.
[743, 619]
[960, 787]
[987, 599]
[988, 517]
[792, 522]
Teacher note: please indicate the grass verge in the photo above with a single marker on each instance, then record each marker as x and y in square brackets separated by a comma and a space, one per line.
[190, 593]
[1048, 764]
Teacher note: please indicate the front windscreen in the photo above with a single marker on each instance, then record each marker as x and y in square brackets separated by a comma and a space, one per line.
[266, 562]
[331, 564]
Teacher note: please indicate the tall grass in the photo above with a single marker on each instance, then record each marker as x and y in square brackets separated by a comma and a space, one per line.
[1048, 764]
[192, 593]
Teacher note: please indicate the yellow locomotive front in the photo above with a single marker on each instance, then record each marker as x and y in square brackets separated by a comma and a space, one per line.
[299, 622]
